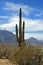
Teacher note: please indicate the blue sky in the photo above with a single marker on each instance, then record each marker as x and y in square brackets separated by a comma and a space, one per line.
[32, 14]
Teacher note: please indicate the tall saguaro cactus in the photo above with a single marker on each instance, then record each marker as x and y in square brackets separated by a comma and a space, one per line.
[20, 24]
[20, 31]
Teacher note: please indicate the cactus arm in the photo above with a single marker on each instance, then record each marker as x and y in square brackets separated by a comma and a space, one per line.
[17, 32]
[23, 30]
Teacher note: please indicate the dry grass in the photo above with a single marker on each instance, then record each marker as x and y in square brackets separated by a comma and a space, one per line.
[5, 62]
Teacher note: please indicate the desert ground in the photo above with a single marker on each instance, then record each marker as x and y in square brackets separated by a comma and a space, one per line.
[5, 62]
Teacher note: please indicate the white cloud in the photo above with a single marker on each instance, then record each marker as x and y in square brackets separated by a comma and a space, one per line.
[11, 23]
[4, 16]
[35, 35]
[9, 6]
[30, 25]
[12, 7]
[33, 25]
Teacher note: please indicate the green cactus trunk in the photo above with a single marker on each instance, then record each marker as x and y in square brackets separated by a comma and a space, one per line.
[17, 32]
[20, 23]
[20, 37]
[23, 30]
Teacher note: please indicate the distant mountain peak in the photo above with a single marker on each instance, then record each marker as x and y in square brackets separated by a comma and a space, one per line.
[32, 38]
[34, 41]
[7, 37]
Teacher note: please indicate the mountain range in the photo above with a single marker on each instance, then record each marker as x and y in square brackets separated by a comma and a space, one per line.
[7, 37]
[34, 41]
[10, 38]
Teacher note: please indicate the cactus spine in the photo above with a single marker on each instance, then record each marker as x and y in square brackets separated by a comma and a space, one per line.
[20, 37]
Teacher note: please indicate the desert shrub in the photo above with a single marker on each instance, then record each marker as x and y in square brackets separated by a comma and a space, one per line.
[29, 55]
[23, 56]
[6, 50]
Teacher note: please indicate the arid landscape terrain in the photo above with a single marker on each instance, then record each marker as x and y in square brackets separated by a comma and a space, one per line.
[21, 32]
[5, 62]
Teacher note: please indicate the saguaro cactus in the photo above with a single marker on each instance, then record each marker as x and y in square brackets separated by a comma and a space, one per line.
[20, 31]
[20, 24]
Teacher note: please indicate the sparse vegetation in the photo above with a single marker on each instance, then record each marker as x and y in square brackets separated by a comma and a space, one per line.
[29, 55]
